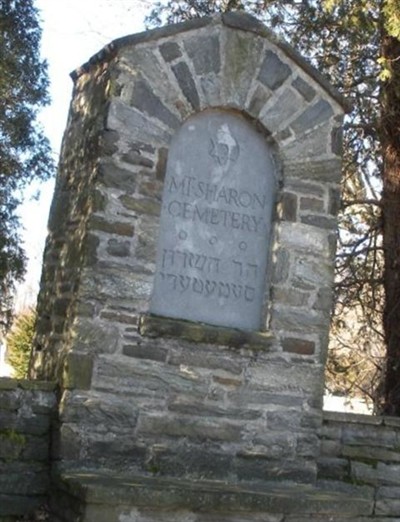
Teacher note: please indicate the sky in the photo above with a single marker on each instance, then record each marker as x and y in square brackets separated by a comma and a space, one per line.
[73, 31]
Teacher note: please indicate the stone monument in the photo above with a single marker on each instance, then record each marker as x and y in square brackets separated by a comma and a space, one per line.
[186, 292]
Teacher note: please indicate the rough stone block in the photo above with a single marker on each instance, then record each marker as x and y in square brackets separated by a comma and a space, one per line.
[304, 88]
[154, 353]
[78, 371]
[280, 111]
[19, 505]
[143, 98]
[273, 71]
[204, 52]
[194, 428]
[259, 98]
[289, 207]
[333, 468]
[154, 326]
[187, 84]
[242, 55]
[388, 507]
[311, 204]
[320, 221]
[300, 346]
[118, 228]
[170, 51]
[117, 248]
[315, 115]
[141, 205]
[113, 176]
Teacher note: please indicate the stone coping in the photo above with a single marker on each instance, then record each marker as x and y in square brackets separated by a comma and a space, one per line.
[111, 488]
[8, 383]
[157, 326]
[234, 19]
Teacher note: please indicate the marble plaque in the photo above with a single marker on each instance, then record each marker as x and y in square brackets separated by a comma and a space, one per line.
[215, 224]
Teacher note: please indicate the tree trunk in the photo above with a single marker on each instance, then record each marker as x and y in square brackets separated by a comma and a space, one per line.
[390, 128]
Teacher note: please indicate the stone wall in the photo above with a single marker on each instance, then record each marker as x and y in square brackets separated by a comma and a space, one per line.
[364, 450]
[26, 410]
[147, 393]
[358, 481]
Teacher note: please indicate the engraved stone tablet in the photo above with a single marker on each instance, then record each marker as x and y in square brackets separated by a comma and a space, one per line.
[215, 223]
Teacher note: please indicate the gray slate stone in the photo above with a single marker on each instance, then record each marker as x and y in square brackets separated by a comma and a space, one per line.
[187, 84]
[273, 71]
[204, 52]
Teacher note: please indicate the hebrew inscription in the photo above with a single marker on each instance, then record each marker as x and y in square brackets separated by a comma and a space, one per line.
[215, 225]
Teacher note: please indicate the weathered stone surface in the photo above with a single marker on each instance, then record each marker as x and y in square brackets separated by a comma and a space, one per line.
[289, 207]
[318, 113]
[333, 468]
[118, 248]
[195, 428]
[144, 99]
[119, 228]
[296, 320]
[204, 52]
[281, 266]
[146, 239]
[112, 176]
[19, 505]
[320, 221]
[300, 346]
[313, 204]
[259, 98]
[187, 84]
[242, 56]
[106, 410]
[129, 122]
[215, 497]
[211, 89]
[134, 157]
[308, 273]
[334, 201]
[321, 171]
[155, 353]
[153, 326]
[78, 371]
[281, 110]
[311, 144]
[304, 88]
[144, 378]
[388, 507]
[273, 71]
[303, 238]
[290, 296]
[184, 406]
[141, 205]
[170, 51]
[213, 226]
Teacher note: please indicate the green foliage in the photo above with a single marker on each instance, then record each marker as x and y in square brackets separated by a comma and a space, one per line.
[391, 11]
[24, 151]
[19, 342]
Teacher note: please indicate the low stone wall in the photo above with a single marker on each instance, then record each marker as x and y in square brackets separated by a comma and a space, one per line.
[26, 408]
[365, 451]
[358, 472]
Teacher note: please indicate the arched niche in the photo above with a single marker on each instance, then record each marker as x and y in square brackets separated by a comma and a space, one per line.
[219, 192]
